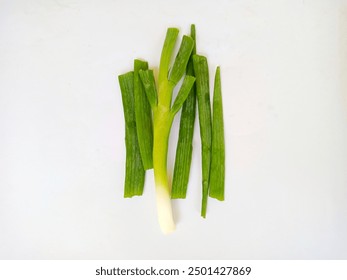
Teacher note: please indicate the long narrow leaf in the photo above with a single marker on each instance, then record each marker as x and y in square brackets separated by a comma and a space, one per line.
[184, 148]
[134, 172]
[148, 81]
[182, 58]
[205, 122]
[166, 54]
[217, 173]
[182, 95]
[143, 116]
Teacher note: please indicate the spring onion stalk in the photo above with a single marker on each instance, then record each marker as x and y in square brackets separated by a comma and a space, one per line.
[163, 115]
[143, 116]
[184, 147]
[134, 172]
[217, 173]
[205, 122]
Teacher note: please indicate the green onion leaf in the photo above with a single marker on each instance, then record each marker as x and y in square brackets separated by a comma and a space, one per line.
[166, 54]
[193, 36]
[184, 148]
[148, 81]
[182, 95]
[181, 61]
[217, 173]
[134, 172]
[143, 116]
[205, 122]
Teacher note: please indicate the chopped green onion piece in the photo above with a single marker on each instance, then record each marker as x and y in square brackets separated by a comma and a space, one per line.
[217, 173]
[143, 116]
[182, 95]
[193, 35]
[184, 148]
[134, 172]
[166, 54]
[205, 122]
[148, 81]
[182, 58]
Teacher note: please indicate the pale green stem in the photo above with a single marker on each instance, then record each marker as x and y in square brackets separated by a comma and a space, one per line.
[162, 126]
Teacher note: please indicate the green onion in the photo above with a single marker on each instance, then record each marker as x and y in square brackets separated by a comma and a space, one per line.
[149, 112]
[166, 54]
[143, 116]
[217, 173]
[204, 108]
[184, 145]
[183, 93]
[180, 65]
[163, 115]
[134, 172]
[147, 78]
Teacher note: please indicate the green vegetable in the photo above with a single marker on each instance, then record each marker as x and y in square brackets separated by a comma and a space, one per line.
[134, 172]
[149, 112]
[143, 116]
[184, 145]
[163, 115]
[205, 122]
[148, 81]
[217, 173]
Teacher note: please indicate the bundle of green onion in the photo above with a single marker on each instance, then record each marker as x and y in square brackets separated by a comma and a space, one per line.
[149, 113]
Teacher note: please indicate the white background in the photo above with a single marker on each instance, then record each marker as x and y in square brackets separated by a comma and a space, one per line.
[284, 67]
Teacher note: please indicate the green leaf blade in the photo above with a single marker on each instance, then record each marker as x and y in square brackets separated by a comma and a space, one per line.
[183, 93]
[193, 36]
[148, 81]
[166, 54]
[143, 116]
[184, 149]
[182, 58]
[134, 171]
[217, 175]
[205, 123]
